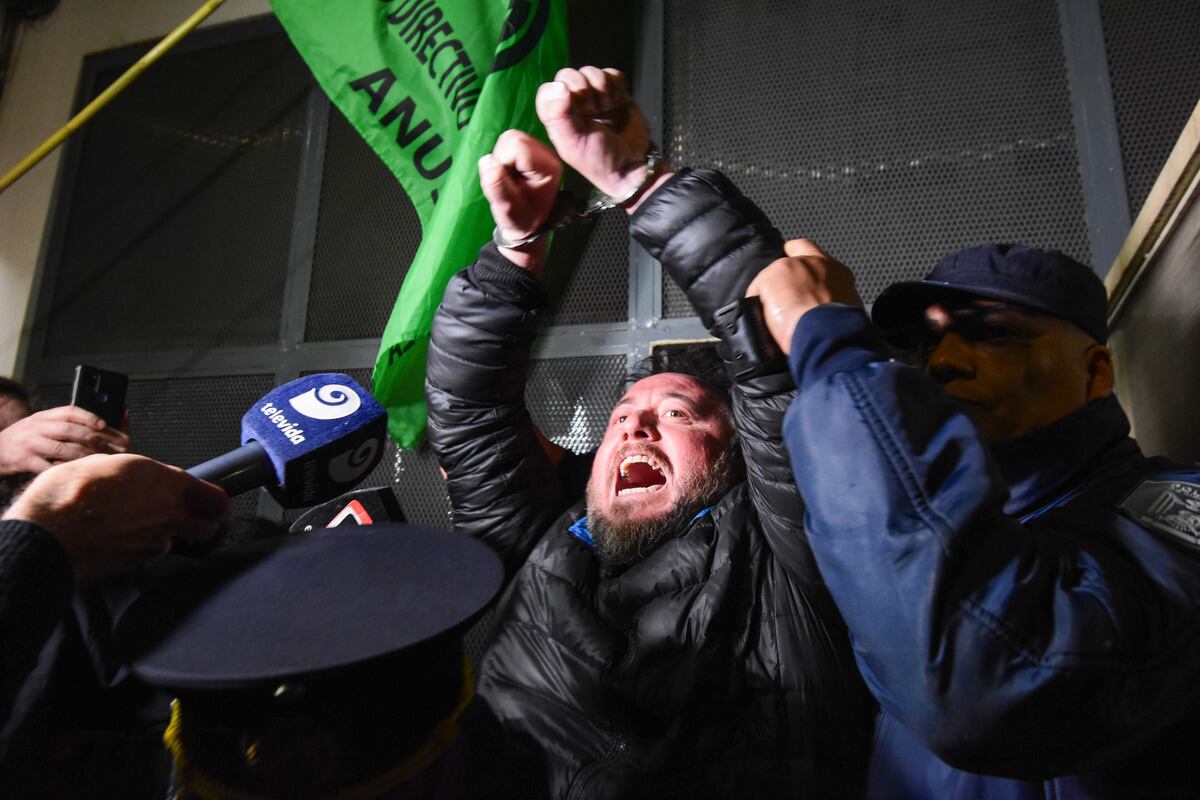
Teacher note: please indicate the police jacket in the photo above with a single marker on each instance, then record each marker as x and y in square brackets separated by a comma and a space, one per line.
[1027, 617]
[716, 666]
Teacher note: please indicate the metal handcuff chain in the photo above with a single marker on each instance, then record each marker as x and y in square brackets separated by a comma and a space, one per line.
[569, 209]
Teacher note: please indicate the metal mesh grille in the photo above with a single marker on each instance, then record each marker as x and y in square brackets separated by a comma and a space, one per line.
[185, 421]
[674, 301]
[890, 133]
[1154, 67]
[419, 486]
[184, 201]
[367, 235]
[593, 285]
[570, 398]
[51, 395]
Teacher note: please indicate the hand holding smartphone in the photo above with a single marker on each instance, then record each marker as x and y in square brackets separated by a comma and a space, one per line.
[100, 391]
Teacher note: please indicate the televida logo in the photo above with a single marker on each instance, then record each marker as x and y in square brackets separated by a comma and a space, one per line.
[331, 401]
[290, 430]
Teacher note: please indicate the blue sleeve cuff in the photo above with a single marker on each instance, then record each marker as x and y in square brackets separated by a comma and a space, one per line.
[833, 338]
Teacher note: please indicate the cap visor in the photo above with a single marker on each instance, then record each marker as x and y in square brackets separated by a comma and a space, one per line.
[900, 310]
[309, 604]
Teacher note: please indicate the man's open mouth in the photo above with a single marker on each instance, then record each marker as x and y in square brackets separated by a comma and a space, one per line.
[639, 474]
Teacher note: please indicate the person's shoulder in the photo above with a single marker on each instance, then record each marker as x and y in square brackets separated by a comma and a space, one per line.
[735, 511]
[1166, 499]
[563, 541]
[563, 560]
[737, 498]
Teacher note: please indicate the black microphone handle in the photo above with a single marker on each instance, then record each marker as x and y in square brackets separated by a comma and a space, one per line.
[241, 470]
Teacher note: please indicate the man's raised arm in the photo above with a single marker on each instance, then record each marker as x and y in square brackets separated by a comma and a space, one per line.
[503, 477]
[711, 240]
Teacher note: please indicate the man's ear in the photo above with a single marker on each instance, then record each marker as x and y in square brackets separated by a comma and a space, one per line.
[1100, 371]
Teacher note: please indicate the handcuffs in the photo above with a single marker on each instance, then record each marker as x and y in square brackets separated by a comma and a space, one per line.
[746, 346]
[569, 209]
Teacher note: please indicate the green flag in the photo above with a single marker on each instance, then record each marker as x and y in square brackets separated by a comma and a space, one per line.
[429, 84]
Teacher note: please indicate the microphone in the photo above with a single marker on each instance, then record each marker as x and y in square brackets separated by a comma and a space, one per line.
[360, 507]
[306, 441]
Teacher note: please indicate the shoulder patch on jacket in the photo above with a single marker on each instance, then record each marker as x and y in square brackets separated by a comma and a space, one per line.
[1170, 506]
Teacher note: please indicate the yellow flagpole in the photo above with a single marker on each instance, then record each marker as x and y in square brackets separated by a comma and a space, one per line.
[117, 86]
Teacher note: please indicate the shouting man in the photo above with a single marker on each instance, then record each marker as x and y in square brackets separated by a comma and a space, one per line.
[669, 635]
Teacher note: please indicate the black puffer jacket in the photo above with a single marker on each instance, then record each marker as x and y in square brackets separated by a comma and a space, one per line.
[716, 666]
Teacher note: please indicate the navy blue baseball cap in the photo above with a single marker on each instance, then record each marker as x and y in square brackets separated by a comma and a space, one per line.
[310, 665]
[1042, 280]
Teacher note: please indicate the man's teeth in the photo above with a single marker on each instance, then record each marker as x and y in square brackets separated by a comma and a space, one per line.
[653, 485]
[638, 460]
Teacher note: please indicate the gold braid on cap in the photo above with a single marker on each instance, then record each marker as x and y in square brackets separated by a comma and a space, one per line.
[192, 781]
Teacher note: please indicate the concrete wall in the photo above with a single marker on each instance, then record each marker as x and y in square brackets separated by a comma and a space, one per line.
[1154, 307]
[1156, 346]
[37, 102]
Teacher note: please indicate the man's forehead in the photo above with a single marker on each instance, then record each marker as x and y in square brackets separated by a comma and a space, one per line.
[671, 384]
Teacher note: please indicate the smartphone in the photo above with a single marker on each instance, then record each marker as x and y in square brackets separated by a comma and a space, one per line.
[100, 391]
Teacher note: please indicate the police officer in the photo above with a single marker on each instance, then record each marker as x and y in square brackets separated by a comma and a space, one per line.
[323, 665]
[1021, 583]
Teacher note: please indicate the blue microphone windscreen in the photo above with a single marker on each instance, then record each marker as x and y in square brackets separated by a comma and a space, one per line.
[323, 434]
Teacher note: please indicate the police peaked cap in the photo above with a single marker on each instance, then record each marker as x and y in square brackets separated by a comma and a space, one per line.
[303, 665]
[1043, 280]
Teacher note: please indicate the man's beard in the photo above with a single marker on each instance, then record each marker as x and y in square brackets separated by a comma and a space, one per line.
[620, 540]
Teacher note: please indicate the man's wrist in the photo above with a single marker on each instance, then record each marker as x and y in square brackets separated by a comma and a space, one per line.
[650, 188]
[640, 181]
[530, 257]
[493, 268]
[528, 250]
